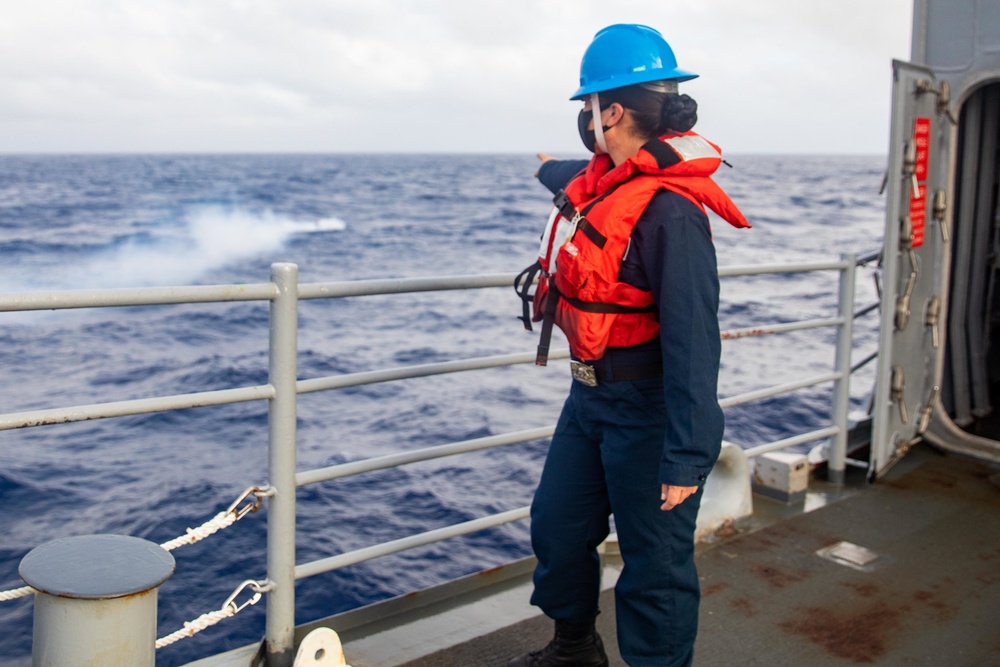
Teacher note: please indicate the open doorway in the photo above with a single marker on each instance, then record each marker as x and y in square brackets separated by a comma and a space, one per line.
[971, 381]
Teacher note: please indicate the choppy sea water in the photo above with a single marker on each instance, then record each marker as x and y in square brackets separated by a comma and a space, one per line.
[69, 222]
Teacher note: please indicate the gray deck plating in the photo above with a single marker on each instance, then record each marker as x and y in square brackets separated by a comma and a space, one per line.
[931, 598]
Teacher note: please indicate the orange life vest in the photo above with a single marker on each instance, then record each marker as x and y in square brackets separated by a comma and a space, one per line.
[588, 234]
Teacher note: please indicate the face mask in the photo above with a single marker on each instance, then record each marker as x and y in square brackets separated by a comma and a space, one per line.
[588, 137]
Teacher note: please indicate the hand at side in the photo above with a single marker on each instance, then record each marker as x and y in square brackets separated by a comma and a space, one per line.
[672, 496]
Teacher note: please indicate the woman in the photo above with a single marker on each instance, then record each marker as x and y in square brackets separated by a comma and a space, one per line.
[629, 275]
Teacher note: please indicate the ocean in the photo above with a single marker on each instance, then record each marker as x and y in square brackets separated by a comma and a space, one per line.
[69, 222]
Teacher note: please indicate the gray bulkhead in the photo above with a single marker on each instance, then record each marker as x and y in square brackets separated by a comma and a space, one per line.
[940, 342]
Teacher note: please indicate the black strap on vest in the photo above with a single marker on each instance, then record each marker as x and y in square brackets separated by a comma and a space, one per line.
[592, 307]
[522, 283]
[549, 317]
[568, 211]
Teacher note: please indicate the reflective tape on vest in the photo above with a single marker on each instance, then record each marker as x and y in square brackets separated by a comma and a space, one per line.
[558, 230]
[692, 147]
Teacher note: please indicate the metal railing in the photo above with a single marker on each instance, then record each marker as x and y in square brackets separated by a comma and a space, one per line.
[284, 292]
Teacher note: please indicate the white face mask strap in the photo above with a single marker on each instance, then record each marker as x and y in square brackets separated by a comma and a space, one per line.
[595, 107]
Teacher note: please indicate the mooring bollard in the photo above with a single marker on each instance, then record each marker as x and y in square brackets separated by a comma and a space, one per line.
[96, 600]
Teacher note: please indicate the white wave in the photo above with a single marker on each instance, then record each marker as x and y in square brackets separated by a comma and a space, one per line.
[321, 225]
[206, 239]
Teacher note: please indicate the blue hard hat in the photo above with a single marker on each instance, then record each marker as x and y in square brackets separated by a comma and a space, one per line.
[625, 54]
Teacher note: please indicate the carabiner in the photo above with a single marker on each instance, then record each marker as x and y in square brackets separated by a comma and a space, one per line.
[254, 599]
[258, 493]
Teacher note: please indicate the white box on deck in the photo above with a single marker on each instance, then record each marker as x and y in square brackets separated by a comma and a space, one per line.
[782, 475]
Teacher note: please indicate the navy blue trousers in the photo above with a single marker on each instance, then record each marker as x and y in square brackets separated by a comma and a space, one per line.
[604, 459]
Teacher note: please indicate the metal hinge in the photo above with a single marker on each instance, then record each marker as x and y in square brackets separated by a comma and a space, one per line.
[898, 384]
[924, 420]
[943, 94]
[939, 210]
[910, 168]
[932, 317]
[903, 303]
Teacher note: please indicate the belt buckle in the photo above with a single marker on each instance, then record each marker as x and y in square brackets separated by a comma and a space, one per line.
[583, 373]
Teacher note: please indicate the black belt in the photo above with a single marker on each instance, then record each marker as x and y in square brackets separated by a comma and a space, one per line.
[605, 370]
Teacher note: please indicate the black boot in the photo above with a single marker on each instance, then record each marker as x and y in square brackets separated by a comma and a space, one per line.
[575, 645]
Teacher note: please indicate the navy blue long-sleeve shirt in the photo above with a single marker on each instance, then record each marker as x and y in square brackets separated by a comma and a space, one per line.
[672, 255]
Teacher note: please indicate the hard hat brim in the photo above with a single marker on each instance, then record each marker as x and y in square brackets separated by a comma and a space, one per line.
[621, 81]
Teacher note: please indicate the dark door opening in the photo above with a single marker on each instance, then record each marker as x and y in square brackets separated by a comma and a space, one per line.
[971, 382]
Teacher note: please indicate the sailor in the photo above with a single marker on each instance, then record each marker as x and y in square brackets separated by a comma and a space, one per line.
[628, 272]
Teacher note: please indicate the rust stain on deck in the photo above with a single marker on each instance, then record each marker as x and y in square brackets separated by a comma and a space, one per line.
[989, 555]
[864, 590]
[943, 480]
[744, 606]
[713, 589]
[776, 577]
[941, 610]
[860, 637]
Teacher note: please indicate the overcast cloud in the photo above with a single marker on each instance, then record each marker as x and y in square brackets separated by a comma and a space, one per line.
[778, 76]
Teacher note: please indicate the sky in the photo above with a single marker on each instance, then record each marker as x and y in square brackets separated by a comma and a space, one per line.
[434, 76]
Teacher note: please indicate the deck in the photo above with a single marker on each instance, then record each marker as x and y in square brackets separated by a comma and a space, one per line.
[931, 597]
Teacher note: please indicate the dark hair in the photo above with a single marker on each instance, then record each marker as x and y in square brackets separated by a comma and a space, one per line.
[654, 112]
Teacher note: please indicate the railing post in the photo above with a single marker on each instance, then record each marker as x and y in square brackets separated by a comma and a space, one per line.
[842, 386]
[282, 372]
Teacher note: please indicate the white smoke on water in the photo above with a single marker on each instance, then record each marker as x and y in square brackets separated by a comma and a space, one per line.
[205, 239]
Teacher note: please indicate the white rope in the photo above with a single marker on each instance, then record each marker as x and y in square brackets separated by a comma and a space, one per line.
[210, 527]
[229, 608]
[16, 593]
[197, 625]
[213, 525]
[222, 519]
